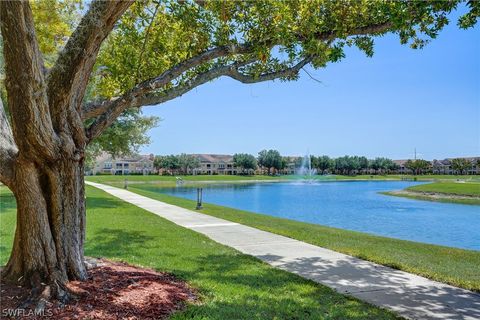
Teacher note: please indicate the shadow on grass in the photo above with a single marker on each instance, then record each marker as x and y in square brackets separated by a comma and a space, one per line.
[382, 286]
[271, 293]
[232, 285]
[102, 202]
[3, 250]
[7, 202]
[115, 242]
[259, 292]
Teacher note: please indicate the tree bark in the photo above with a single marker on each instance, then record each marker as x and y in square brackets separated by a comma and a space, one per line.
[50, 231]
[42, 151]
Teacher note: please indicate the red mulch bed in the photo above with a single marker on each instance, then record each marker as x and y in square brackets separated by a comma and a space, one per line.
[114, 290]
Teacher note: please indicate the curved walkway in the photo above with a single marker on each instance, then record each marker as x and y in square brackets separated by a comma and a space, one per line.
[409, 295]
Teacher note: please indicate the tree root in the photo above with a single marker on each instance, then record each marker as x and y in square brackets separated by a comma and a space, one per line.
[41, 296]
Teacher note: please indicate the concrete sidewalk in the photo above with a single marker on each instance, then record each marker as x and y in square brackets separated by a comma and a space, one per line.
[409, 295]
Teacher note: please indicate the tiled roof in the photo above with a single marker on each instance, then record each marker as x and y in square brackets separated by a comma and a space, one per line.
[444, 162]
[472, 159]
[400, 162]
[214, 157]
[132, 159]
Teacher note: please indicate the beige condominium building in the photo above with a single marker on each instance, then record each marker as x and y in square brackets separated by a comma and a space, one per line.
[442, 166]
[215, 164]
[135, 164]
[445, 166]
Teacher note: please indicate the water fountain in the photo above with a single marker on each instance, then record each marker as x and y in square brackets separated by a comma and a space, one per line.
[306, 169]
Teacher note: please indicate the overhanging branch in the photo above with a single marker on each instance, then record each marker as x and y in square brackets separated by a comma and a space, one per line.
[25, 83]
[375, 29]
[68, 78]
[146, 93]
[95, 109]
[233, 71]
[230, 71]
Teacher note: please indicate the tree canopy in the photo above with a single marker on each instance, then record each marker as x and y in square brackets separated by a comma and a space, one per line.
[55, 21]
[66, 83]
[461, 165]
[417, 166]
[245, 162]
[187, 162]
[270, 159]
[161, 49]
[169, 163]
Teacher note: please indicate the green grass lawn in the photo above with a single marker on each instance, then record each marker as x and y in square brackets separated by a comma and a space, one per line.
[170, 180]
[443, 191]
[231, 285]
[450, 265]
[158, 178]
[424, 177]
[451, 188]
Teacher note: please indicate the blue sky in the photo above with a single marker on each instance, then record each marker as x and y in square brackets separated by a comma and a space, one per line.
[387, 105]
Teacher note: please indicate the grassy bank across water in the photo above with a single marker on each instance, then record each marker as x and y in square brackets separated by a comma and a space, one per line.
[231, 285]
[452, 188]
[449, 265]
[187, 178]
[454, 192]
[171, 180]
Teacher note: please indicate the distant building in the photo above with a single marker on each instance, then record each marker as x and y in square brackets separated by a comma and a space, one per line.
[291, 165]
[215, 164]
[445, 166]
[401, 166]
[135, 164]
[442, 166]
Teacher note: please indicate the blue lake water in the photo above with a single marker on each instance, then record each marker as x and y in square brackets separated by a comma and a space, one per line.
[354, 206]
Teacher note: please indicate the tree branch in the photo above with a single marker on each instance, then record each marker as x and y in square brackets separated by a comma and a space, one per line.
[171, 74]
[376, 29]
[230, 71]
[121, 104]
[285, 73]
[95, 109]
[68, 79]
[145, 40]
[223, 51]
[25, 83]
[8, 149]
[144, 92]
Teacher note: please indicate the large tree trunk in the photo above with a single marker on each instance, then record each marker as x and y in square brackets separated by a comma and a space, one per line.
[50, 232]
[42, 144]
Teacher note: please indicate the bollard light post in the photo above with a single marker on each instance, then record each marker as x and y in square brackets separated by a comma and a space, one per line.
[125, 186]
[199, 198]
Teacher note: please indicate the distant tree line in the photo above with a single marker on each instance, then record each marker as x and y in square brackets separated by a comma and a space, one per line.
[461, 165]
[176, 164]
[349, 165]
[245, 163]
[272, 162]
[417, 166]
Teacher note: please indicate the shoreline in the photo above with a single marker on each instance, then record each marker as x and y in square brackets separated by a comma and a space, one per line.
[435, 196]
